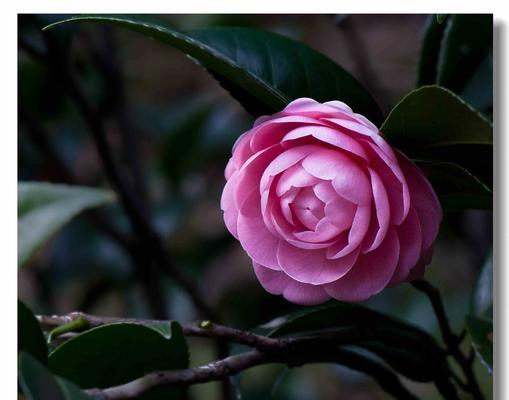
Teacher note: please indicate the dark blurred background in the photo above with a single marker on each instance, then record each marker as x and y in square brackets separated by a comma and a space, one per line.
[172, 128]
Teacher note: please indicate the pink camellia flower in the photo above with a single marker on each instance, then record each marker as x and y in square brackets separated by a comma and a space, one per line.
[325, 207]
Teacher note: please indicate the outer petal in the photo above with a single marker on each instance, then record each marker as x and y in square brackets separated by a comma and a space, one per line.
[250, 173]
[258, 242]
[410, 238]
[424, 200]
[277, 282]
[370, 274]
[417, 272]
[330, 136]
[312, 266]
[394, 181]
[231, 212]
[272, 131]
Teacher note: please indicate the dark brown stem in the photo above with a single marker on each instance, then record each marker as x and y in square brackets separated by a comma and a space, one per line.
[232, 365]
[292, 351]
[451, 340]
[200, 328]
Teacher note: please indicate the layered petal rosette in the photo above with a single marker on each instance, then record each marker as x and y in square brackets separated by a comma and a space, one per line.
[325, 207]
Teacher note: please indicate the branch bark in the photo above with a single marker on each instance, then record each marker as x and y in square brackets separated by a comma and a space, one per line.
[199, 328]
[451, 340]
[232, 365]
[292, 351]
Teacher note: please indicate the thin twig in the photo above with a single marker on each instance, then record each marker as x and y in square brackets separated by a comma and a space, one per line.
[232, 365]
[451, 340]
[200, 328]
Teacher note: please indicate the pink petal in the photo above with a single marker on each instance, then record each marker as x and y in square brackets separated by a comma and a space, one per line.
[230, 169]
[354, 127]
[409, 234]
[295, 176]
[394, 181]
[370, 274]
[311, 266]
[324, 231]
[307, 208]
[227, 200]
[251, 172]
[277, 282]
[383, 214]
[330, 136]
[339, 105]
[325, 192]
[354, 117]
[261, 119]
[340, 212]
[287, 232]
[347, 177]
[284, 161]
[306, 295]
[273, 130]
[258, 242]
[228, 205]
[357, 233]
[424, 200]
[285, 202]
[230, 218]
[311, 108]
[241, 150]
[417, 272]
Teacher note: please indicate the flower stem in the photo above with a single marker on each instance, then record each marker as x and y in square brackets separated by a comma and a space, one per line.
[451, 340]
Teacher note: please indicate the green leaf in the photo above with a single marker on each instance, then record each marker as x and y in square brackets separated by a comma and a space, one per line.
[37, 383]
[117, 353]
[478, 90]
[481, 333]
[409, 350]
[30, 336]
[432, 123]
[263, 70]
[430, 49]
[456, 187]
[43, 208]
[466, 41]
[482, 299]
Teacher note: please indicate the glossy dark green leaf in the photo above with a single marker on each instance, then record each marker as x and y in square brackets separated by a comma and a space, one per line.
[114, 354]
[263, 70]
[406, 348]
[481, 333]
[30, 337]
[482, 298]
[43, 208]
[456, 187]
[478, 90]
[466, 41]
[430, 49]
[433, 123]
[37, 383]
